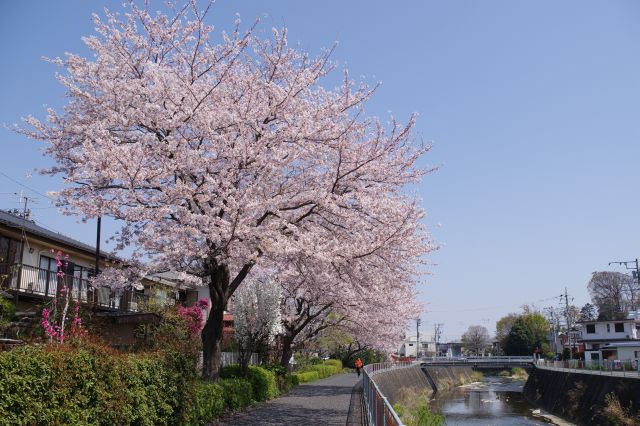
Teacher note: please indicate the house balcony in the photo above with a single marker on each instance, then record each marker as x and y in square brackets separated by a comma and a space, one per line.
[31, 282]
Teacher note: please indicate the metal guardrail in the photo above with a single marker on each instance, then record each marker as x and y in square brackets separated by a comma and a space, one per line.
[622, 368]
[486, 361]
[378, 409]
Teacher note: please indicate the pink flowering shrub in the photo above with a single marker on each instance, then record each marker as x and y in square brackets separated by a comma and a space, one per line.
[194, 316]
[55, 319]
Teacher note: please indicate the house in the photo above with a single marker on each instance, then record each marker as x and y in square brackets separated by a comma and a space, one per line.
[29, 275]
[450, 349]
[409, 346]
[610, 339]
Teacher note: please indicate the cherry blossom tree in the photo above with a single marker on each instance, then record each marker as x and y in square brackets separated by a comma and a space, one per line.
[256, 314]
[222, 154]
[372, 302]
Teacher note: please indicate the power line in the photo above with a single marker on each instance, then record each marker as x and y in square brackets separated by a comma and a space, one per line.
[489, 307]
[24, 186]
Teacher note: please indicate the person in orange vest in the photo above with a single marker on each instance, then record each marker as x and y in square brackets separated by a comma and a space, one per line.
[358, 366]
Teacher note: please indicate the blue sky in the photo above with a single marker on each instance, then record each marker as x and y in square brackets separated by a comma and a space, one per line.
[531, 106]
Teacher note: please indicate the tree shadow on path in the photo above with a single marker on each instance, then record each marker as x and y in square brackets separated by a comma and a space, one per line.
[325, 402]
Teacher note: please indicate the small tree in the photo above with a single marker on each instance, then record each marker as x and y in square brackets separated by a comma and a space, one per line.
[256, 317]
[56, 318]
[476, 339]
[613, 293]
[588, 312]
[503, 327]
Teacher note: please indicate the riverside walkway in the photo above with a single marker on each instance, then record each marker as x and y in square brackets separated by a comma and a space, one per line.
[323, 402]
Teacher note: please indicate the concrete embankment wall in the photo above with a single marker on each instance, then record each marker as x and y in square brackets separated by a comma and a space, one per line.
[413, 379]
[580, 397]
[391, 383]
[444, 377]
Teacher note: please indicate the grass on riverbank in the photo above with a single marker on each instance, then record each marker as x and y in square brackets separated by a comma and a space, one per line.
[476, 376]
[414, 410]
[515, 373]
[617, 414]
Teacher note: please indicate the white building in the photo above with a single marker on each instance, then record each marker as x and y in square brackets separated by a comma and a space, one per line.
[611, 339]
[409, 346]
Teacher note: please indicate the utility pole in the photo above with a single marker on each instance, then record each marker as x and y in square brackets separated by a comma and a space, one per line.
[97, 270]
[436, 335]
[555, 326]
[25, 216]
[635, 273]
[568, 320]
[418, 321]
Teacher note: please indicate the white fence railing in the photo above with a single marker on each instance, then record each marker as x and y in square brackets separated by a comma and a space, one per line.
[378, 410]
[479, 360]
[607, 367]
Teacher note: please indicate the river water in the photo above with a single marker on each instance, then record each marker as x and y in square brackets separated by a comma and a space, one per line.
[496, 401]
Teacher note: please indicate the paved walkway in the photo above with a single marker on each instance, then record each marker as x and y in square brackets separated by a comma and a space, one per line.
[324, 402]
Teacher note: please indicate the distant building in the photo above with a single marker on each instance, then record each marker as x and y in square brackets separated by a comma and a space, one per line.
[450, 349]
[611, 339]
[409, 347]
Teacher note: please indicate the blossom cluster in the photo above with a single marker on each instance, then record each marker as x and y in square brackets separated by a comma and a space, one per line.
[194, 316]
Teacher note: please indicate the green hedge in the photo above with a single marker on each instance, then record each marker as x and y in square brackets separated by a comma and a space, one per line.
[308, 376]
[317, 371]
[323, 371]
[237, 393]
[335, 362]
[44, 385]
[263, 381]
[209, 403]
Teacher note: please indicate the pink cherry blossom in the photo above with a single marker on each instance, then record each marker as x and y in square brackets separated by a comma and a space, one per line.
[222, 153]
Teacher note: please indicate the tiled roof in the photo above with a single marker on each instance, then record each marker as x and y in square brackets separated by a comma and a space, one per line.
[31, 227]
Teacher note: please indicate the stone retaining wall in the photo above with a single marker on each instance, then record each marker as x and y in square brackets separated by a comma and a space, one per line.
[580, 397]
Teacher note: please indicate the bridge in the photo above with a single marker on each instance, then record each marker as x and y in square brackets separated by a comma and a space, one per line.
[480, 362]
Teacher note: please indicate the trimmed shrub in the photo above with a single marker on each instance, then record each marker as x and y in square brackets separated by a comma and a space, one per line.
[208, 404]
[71, 385]
[237, 393]
[323, 371]
[285, 383]
[263, 381]
[230, 372]
[305, 377]
[335, 362]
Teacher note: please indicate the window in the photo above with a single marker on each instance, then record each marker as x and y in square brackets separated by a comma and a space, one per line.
[410, 344]
[591, 328]
[80, 281]
[635, 354]
[47, 276]
[595, 346]
[619, 327]
[9, 250]
[608, 328]
[595, 356]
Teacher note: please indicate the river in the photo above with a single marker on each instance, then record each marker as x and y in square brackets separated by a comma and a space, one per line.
[496, 401]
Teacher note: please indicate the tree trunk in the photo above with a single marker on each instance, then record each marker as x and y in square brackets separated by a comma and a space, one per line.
[245, 358]
[220, 290]
[213, 331]
[287, 350]
[212, 334]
